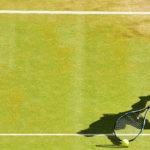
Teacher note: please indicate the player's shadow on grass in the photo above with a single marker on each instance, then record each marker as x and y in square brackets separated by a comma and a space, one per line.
[105, 124]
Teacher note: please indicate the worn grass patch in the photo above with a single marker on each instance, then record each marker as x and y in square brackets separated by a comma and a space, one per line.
[101, 5]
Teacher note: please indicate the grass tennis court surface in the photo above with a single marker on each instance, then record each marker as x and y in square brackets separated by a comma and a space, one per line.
[63, 73]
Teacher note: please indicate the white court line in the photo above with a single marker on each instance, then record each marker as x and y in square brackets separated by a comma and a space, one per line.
[61, 134]
[50, 134]
[73, 12]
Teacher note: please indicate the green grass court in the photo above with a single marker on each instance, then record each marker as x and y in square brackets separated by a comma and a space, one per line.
[61, 73]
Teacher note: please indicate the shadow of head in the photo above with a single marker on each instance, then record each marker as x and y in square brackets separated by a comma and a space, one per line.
[143, 100]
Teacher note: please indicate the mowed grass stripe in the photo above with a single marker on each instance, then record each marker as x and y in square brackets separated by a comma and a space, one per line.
[76, 99]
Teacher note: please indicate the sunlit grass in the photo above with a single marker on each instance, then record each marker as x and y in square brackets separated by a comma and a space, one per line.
[59, 74]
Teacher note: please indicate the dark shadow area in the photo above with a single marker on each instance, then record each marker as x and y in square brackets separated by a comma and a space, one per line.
[111, 146]
[105, 124]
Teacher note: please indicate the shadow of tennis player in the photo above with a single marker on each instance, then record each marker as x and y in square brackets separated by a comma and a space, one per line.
[105, 124]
